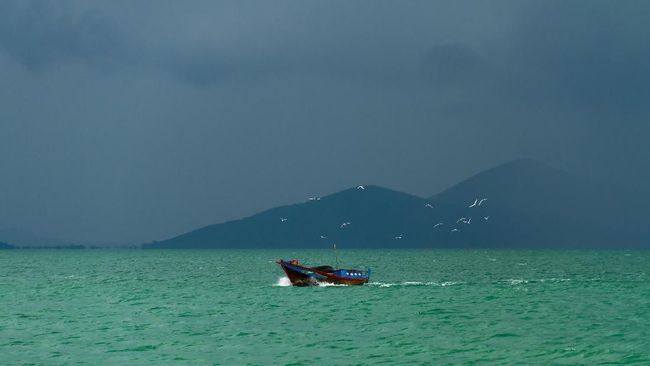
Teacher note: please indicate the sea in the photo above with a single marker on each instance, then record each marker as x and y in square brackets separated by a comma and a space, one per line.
[236, 307]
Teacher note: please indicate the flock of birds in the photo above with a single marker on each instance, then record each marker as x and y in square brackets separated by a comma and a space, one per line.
[478, 202]
[465, 220]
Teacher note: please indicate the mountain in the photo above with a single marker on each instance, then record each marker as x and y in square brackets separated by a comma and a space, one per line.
[534, 204]
[528, 204]
[375, 215]
[6, 246]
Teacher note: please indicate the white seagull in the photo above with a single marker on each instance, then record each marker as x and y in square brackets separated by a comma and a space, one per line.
[438, 224]
[323, 237]
[283, 219]
[482, 200]
[462, 219]
[428, 205]
[473, 204]
[454, 231]
[361, 187]
[399, 236]
[486, 218]
[314, 198]
[344, 225]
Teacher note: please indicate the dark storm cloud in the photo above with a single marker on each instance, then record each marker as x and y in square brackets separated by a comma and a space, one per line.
[204, 46]
[204, 68]
[40, 33]
[566, 54]
[128, 120]
[449, 64]
[586, 67]
[590, 53]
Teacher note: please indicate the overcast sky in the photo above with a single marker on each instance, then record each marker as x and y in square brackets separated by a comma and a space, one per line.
[129, 121]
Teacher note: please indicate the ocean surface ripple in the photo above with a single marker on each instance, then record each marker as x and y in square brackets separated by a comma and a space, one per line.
[236, 308]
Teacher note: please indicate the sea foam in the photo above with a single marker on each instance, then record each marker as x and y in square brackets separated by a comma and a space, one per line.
[283, 282]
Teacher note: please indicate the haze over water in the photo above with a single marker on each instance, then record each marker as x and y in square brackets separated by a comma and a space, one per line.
[229, 307]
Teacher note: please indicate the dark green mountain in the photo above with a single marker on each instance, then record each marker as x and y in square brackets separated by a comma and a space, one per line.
[528, 204]
[376, 216]
[533, 204]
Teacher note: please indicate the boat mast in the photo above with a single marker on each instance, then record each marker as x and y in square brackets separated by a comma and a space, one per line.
[337, 256]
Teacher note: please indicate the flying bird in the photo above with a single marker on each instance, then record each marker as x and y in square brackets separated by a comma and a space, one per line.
[438, 224]
[399, 236]
[361, 187]
[473, 204]
[486, 218]
[462, 219]
[323, 237]
[344, 225]
[454, 231]
[314, 198]
[428, 205]
[482, 200]
[282, 219]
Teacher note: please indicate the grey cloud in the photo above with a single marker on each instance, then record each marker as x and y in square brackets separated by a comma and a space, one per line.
[155, 118]
[449, 64]
[40, 33]
[202, 67]
[276, 39]
[593, 54]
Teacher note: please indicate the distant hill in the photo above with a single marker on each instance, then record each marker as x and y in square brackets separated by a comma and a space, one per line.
[23, 238]
[6, 246]
[533, 204]
[375, 215]
[528, 204]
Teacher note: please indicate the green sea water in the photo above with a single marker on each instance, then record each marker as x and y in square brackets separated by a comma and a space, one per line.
[131, 307]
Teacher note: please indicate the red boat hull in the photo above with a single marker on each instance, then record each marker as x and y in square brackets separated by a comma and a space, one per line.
[311, 276]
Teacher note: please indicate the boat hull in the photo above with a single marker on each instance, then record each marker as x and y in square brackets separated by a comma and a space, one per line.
[308, 276]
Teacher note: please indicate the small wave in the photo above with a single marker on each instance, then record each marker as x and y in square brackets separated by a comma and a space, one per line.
[554, 279]
[450, 283]
[63, 277]
[414, 283]
[325, 284]
[286, 282]
[381, 284]
[519, 281]
[516, 281]
[283, 282]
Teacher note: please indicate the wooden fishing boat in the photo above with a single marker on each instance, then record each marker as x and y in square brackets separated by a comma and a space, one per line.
[313, 276]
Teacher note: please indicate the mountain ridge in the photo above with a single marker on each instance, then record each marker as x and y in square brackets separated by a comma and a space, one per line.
[528, 204]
